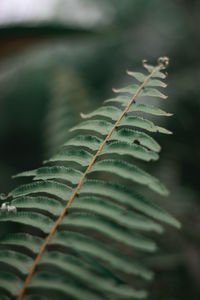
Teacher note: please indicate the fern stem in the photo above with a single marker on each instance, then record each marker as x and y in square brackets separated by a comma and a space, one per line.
[162, 63]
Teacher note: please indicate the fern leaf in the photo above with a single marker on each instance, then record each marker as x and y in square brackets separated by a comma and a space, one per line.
[148, 109]
[133, 121]
[55, 172]
[141, 77]
[103, 226]
[106, 254]
[63, 287]
[79, 233]
[10, 282]
[16, 260]
[131, 89]
[31, 219]
[110, 112]
[44, 204]
[124, 148]
[50, 187]
[127, 198]
[23, 241]
[130, 136]
[130, 172]
[98, 126]
[75, 266]
[88, 141]
[101, 207]
[81, 157]
[119, 100]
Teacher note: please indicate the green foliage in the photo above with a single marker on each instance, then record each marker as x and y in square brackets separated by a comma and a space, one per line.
[63, 112]
[85, 202]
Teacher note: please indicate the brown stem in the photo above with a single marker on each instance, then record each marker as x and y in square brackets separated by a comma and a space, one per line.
[59, 220]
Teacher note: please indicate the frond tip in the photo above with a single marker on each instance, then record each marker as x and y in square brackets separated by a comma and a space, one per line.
[164, 61]
[82, 221]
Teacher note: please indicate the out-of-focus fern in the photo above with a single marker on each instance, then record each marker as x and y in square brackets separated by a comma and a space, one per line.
[83, 231]
[66, 91]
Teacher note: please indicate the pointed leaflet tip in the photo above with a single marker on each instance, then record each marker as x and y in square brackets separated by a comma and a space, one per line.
[164, 130]
[139, 76]
[129, 72]
[164, 85]
[83, 116]
[115, 90]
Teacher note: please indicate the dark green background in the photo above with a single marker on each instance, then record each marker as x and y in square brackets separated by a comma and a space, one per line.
[45, 62]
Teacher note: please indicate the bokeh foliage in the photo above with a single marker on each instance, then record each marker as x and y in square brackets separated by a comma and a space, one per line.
[92, 58]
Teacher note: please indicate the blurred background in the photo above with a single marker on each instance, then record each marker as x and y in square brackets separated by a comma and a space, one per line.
[69, 54]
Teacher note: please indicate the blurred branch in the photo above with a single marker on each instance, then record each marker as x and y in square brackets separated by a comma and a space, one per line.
[18, 37]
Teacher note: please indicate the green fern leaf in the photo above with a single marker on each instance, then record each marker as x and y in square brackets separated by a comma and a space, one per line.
[101, 207]
[131, 89]
[133, 121]
[130, 172]
[50, 187]
[17, 260]
[22, 241]
[45, 204]
[148, 109]
[55, 172]
[127, 198]
[141, 77]
[124, 148]
[110, 112]
[119, 100]
[130, 136]
[80, 157]
[88, 141]
[95, 249]
[98, 126]
[32, 219]
[80, 232]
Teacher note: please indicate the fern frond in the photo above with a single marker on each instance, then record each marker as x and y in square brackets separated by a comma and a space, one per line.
[81, 231]
[66, 87]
